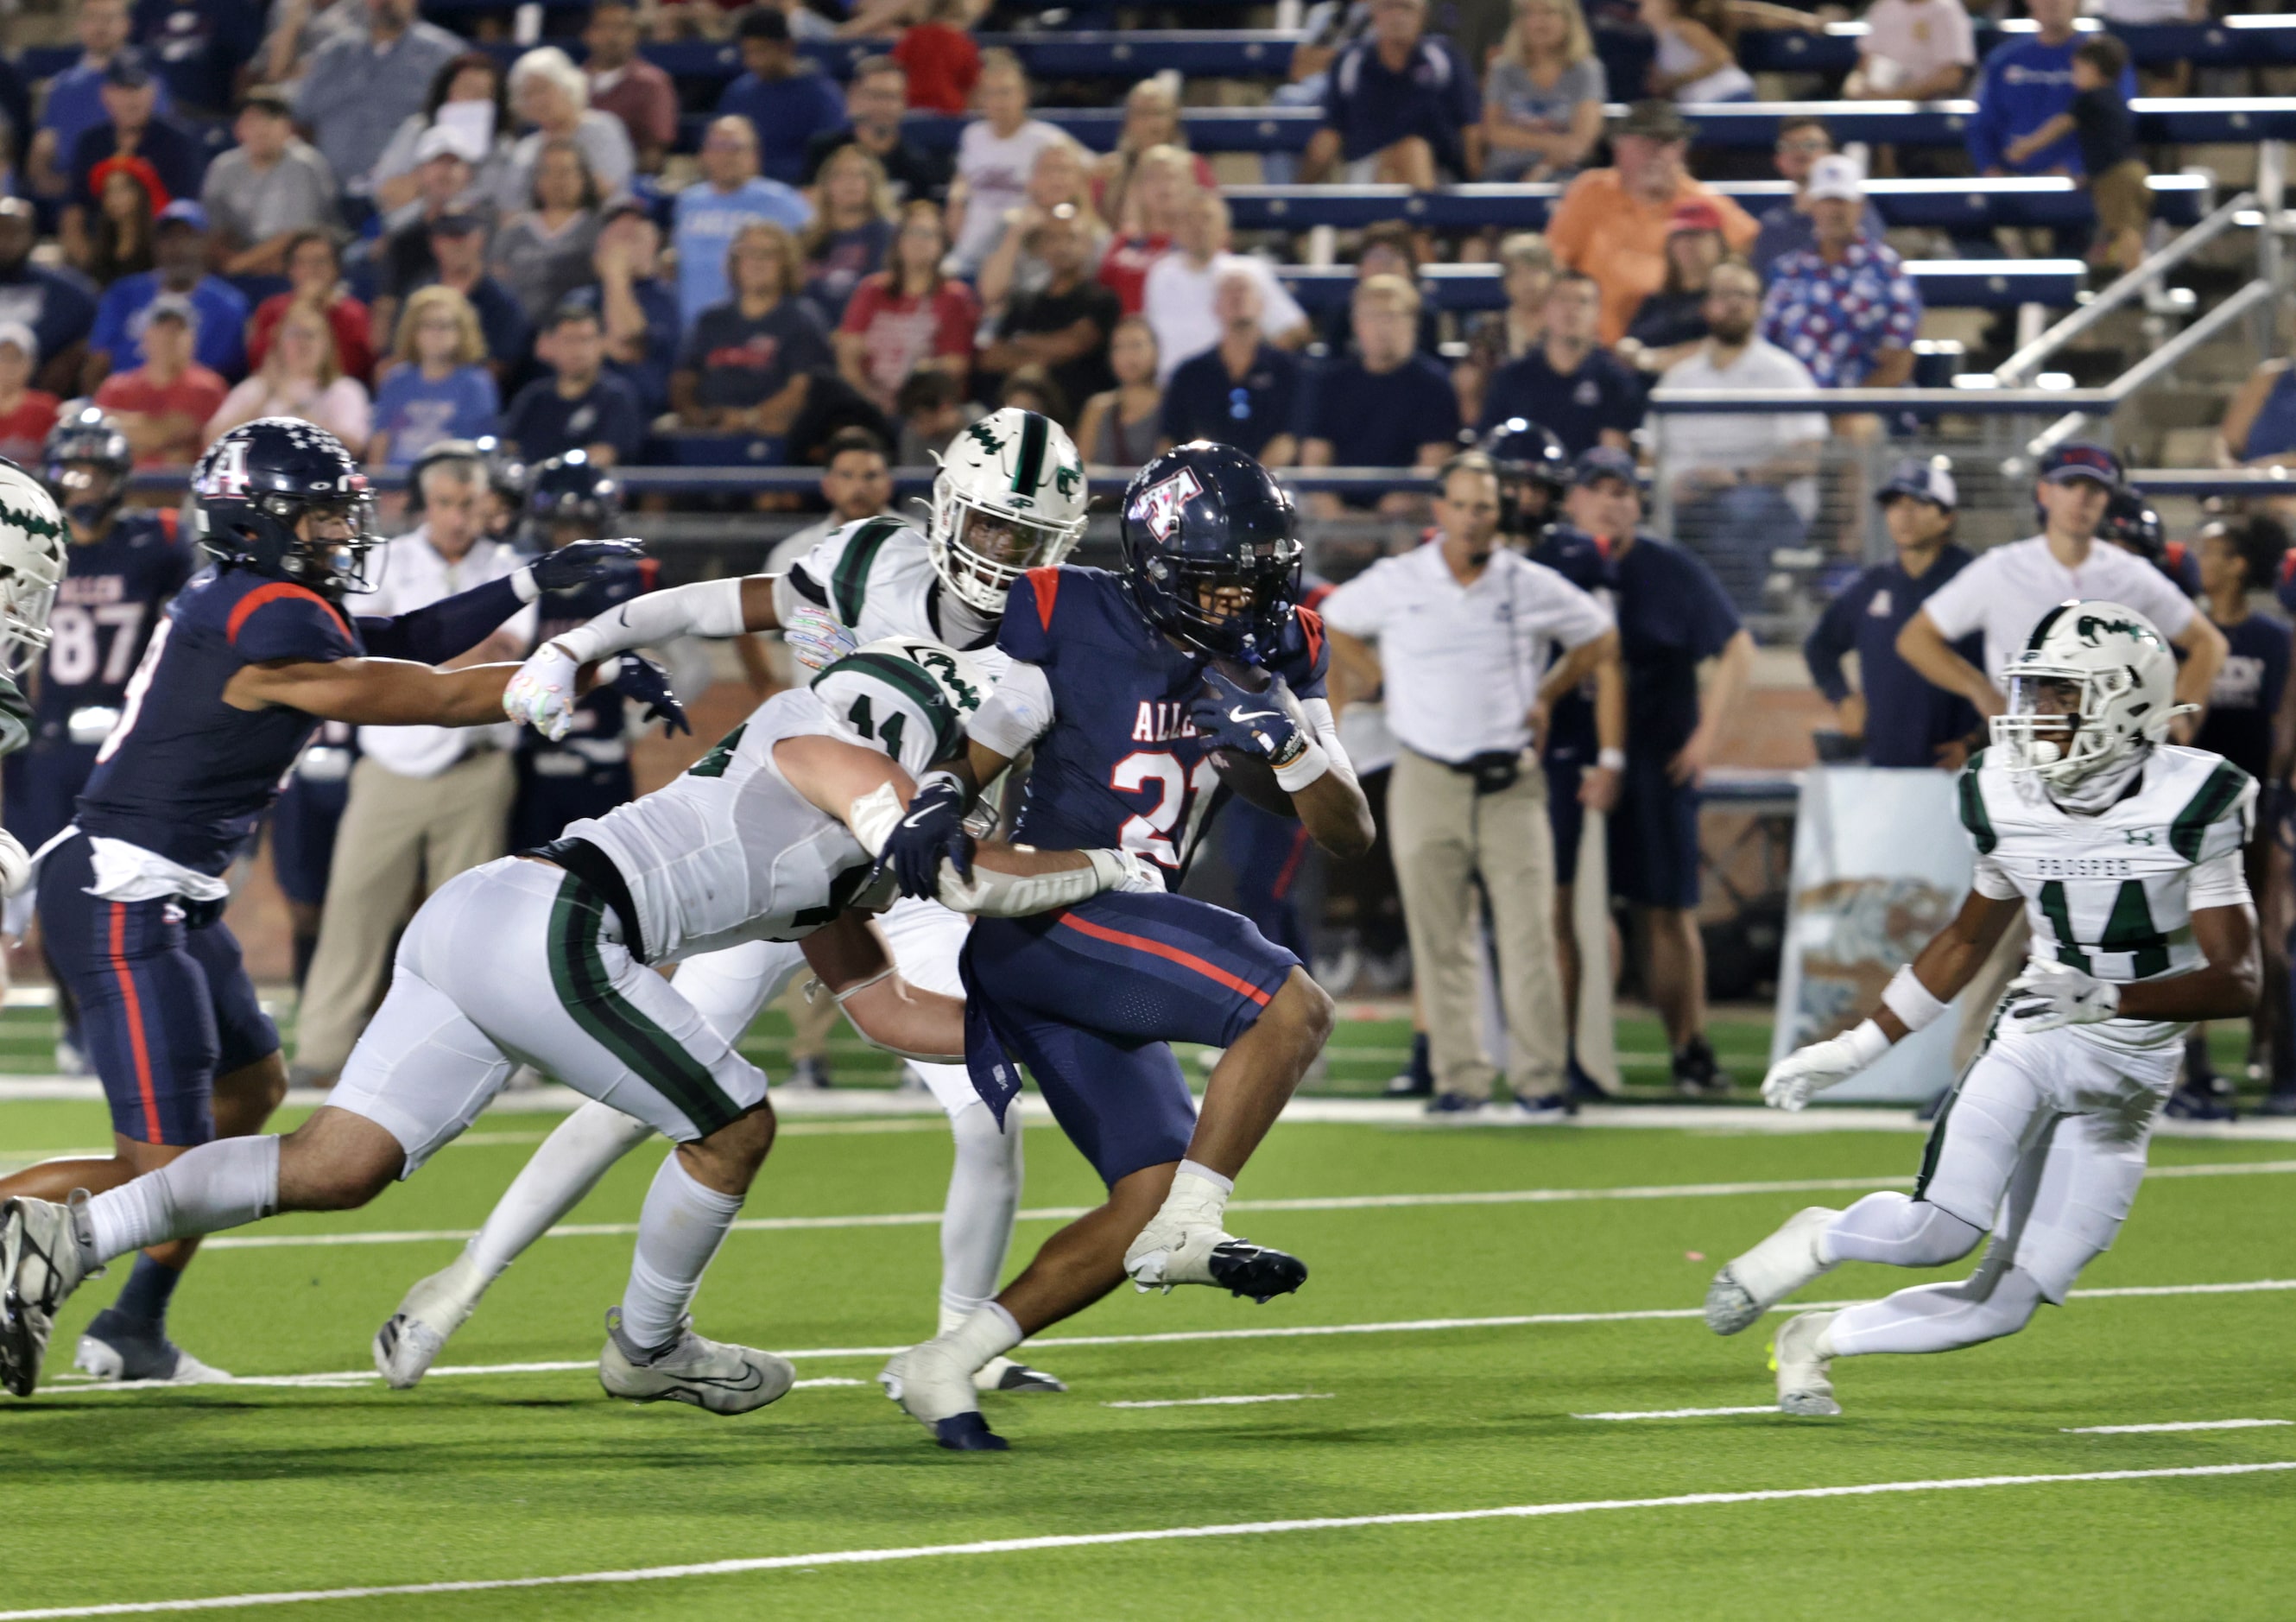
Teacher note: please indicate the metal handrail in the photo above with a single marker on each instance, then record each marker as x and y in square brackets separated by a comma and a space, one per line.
[2162, 359]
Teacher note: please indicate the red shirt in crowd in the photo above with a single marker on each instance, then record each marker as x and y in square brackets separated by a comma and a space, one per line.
[1124, 267]
[197, 394]
[643, 97]
[23, 430]
[354, 345]
[899, 334]
[942, 64]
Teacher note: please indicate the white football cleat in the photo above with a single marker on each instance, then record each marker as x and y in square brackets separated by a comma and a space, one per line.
[1783, 1263]
[705, 1373]
[1003, 1374]
[934, 1387]
[1167, 1253]
[1801, 1354]
[433, 1309]
[44, 1251]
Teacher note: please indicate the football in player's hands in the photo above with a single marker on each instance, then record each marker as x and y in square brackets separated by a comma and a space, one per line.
[1237, 753]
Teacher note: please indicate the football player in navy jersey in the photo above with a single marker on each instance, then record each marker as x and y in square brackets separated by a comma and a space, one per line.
[2130, 523]
[1137, 692]
[247, 662]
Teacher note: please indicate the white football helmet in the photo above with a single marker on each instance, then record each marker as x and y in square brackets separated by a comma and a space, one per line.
[909, 696]
[2094, 686]
[1011, 496]
[32, 542]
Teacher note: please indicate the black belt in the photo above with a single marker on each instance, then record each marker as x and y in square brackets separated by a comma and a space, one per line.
[1495, 770]
[596, 868]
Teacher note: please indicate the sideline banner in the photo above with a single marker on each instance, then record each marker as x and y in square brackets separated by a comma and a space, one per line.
[1880, 865]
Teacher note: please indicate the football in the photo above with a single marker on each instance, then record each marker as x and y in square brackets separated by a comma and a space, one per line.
[1250, 777]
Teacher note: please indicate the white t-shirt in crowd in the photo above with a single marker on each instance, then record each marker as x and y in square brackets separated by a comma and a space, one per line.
[414, 575]
[2006, 592]
[1916, 37]
[1177, 303]
[1701, 441]
[995, 170]
[1463, 663]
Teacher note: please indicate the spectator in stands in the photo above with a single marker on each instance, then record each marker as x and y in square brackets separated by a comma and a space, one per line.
[1058, 179]
[133, 135]
[1544, 96]
[119, 242]
[549, 92]
[1063, 328]
[1696, 58]
[1613, 224]
[1243, 392]
[995, 158]
[943, 65]
[1672, 321]
[401, 259]
[748, 363]
[1894, 715]
[1496, 337]
[543, 254]
[1744, 485]
[581, 405]
[300, 378]
[1159, 184]
[729, 197]
[58, 305]
[856, 482]
[1786, 226]
[25, 412]
[163, 405]
[851, 234]
[180, 245]
[441, 389]
[266, 189]
[1914, 51]
[2026, 82]
[1330, 27]
[1569, 382]
[314, 277]
[1844, 307]
[466, 108]
[933, 412]
[1387, 247]
[638, 308]
[1388, 405]
[458, 248]
[908, 317]
[625, 86]
[2259, 429]
[874, 100]
[1151, 123]
[360, 88]
[1123, 426]
[1177, 298]
[199, 46]
[1402, 108]
[298, 29]
[1032, 389]
[2101, 125]
[75, 98]
[787, 100]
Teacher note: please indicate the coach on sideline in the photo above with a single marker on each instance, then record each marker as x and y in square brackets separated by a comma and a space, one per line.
[1468, 634]
[2004, 593]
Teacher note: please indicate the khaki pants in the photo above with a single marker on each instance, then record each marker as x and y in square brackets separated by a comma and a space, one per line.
[1445, 836]
[394, 830]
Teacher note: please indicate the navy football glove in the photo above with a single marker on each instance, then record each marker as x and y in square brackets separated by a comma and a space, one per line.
[1254, 724]
[934, 828]
[578, 563]
[639, 678]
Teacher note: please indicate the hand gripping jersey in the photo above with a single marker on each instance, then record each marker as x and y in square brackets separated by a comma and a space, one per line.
[106, 610]
[874, 577]
[2113, 894]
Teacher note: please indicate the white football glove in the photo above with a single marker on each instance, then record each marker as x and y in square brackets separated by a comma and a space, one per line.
[15, 863]
[816, 639]
[1822, 1065]
[541, 695]
[2048, 996]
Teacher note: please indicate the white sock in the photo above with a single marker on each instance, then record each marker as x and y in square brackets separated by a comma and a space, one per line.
[1199, 1196]
[680, 1229]
[562, 1173]
[976, 1223]
[989, 1333]
[223, 1184]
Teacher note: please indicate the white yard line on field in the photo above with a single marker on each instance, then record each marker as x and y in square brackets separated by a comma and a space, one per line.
[1676, 1413]
[1092, 1540]
[2131, 1430]
[1227, 1402]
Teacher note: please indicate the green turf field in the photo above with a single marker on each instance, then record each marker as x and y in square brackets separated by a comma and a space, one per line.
[117, 1498]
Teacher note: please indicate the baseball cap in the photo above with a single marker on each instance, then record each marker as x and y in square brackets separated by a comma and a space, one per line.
[172, 306]
[439, 140]
[1605, 462]
[763, 22]
[456, 222]
[2081, 459]
[1660, 121]
[1925, 478]
[20, 335]
[184, 211]
[1696, 215]
[1837, 175]
[127, 71]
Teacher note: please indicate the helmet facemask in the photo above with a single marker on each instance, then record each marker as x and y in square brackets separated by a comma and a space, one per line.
[978, 551]
[88, 492]
[1229, 613]
[25, 600]
[2066, 724]
[335, 557]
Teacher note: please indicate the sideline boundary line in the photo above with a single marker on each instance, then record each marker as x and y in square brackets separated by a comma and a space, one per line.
[1089, 1540]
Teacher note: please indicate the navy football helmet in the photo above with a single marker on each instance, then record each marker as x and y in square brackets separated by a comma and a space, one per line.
[85, 463]
[2131, 523]
[1210, 550]
[1534, 471]
[574, 491]
[257, 484]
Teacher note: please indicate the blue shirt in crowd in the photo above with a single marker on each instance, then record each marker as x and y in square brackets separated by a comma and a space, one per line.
[178, 158]
[75, 105]
[1379, 419]
[542, 423]
[220, 345]
[1204, 402]
[56, 302]
[417, 412]
[786, 114]
[2021, 86]
[1433, 97]
[707, 222]
[198, 47]
[1578, 405]
[1906, 719]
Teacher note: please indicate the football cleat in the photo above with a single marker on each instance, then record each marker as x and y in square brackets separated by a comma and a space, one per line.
[1003, 1374]
[1783, 1263]
[1165, 1255]
[934, 1387]
[706, 1373]
[117, 1349]
[43, 1258]
[433, 1309]
[1803, 1388]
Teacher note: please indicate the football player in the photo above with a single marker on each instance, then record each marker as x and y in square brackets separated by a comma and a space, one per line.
[32, 563]
[248, 661]
[1011, 495]
[2124, 852]
[1138, 693]
[544, 956]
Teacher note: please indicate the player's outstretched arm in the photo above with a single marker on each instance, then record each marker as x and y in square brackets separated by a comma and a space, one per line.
[542, 694]
[850, 958]
[374, 692]
[453, 626]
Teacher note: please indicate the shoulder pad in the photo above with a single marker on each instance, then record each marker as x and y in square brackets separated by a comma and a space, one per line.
[1974, 816]
[1027, 631]
[1304, 656]
[280, 620]
[845, 561]
[891, 703]
[2218, 818]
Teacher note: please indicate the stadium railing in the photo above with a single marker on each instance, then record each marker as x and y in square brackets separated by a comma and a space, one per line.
[1944, 284]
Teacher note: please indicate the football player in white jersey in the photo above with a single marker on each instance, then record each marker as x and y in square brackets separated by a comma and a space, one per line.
[543, 957]
[2124, 853]
[1011, 496]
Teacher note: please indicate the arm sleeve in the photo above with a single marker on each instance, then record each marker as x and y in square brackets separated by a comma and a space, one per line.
[1326, 729]
[1018, 713]
[1991, 880]
[707, 608]
[1830, 639]
[447, 628]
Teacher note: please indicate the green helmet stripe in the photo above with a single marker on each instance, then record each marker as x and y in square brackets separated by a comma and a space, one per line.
[1031, 470]
[849, 582]
[2041, 631]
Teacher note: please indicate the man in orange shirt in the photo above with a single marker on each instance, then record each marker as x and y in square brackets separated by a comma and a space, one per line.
[1613, 223]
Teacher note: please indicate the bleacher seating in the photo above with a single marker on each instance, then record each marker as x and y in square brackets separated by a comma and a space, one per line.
[1944, 284]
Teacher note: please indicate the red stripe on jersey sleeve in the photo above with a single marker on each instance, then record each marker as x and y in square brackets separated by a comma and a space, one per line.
[1047, 584]
[272, 591]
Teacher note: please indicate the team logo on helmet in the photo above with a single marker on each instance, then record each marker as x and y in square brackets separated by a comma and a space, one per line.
[1159, 507]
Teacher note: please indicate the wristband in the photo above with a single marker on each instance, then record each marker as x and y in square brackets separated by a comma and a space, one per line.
[1910, 1000]
[1311, 762]
[1611, 760]
[1866, 1042]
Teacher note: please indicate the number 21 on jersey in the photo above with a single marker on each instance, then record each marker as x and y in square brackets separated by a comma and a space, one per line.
[1182, 798]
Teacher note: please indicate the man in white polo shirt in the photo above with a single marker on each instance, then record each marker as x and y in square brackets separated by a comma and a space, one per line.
[2004, 593]
[1468, 633]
